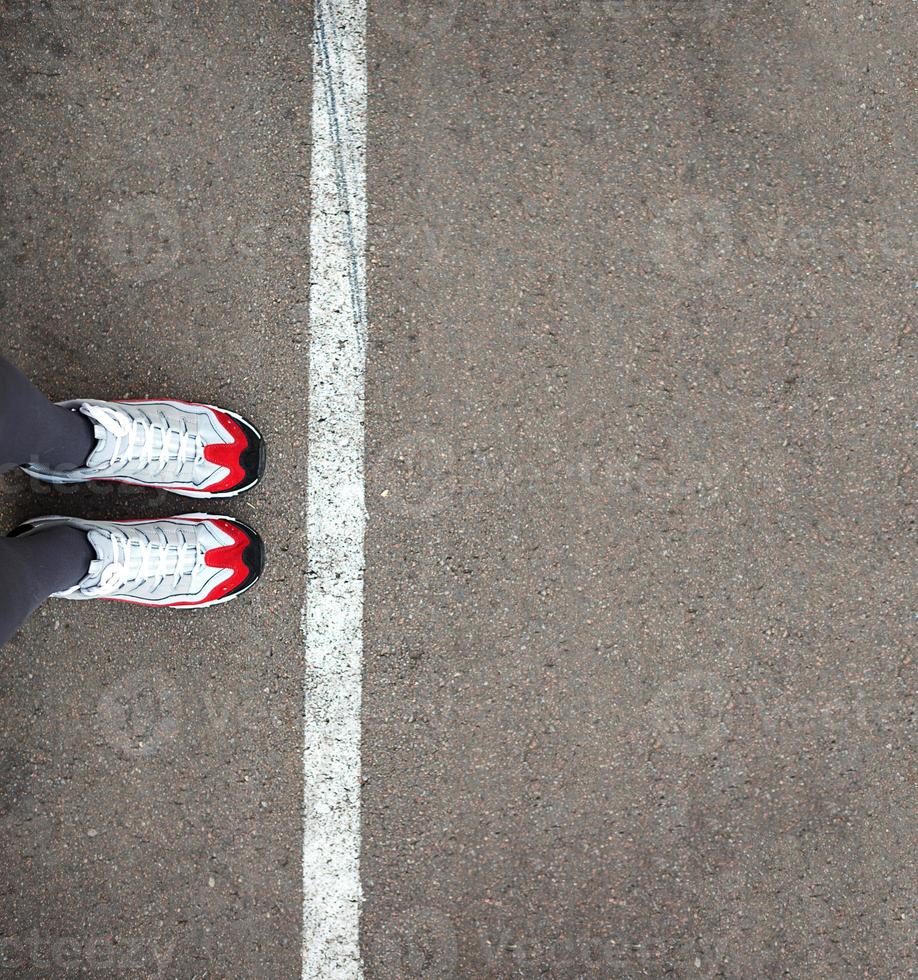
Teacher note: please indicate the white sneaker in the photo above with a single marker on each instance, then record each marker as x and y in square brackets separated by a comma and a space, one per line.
[193, 560]
[189, 449]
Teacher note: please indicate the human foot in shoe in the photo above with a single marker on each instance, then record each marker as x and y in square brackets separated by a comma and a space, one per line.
[190, 449]
[191, 561]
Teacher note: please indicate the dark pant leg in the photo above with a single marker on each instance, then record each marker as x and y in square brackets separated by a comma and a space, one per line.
[34, 429]
[33, 567]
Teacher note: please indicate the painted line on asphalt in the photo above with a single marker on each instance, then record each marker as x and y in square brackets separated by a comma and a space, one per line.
[332, 619]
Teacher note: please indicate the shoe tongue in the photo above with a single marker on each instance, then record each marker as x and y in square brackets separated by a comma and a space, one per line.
[106, 443]
[105, 555]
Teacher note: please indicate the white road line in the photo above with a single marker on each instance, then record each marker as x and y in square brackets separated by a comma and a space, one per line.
[335, 512]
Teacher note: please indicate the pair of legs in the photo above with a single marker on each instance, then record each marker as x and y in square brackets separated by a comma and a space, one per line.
[190, 449]
[34, 429]
[194, 450]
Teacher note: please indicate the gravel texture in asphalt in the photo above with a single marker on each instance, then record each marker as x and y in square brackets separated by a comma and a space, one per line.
[639, 696]
[155, 215]
[641, 403]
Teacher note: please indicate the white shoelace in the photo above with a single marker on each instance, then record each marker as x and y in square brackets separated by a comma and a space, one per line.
[139, 559]
[140, 443]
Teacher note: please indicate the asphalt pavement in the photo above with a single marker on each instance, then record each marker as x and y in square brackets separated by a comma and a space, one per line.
[155, 230]
[639, 687]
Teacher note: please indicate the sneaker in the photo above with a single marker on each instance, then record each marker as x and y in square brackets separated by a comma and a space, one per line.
[193, 560]
[189, 449]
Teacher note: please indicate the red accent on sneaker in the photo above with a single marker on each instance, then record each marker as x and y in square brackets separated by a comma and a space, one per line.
[227, 454]
[229, 556]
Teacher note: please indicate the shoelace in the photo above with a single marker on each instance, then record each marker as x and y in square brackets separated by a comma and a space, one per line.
[140, 445]
[136, 558]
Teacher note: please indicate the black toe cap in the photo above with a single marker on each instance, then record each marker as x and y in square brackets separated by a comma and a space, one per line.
[252, 458]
